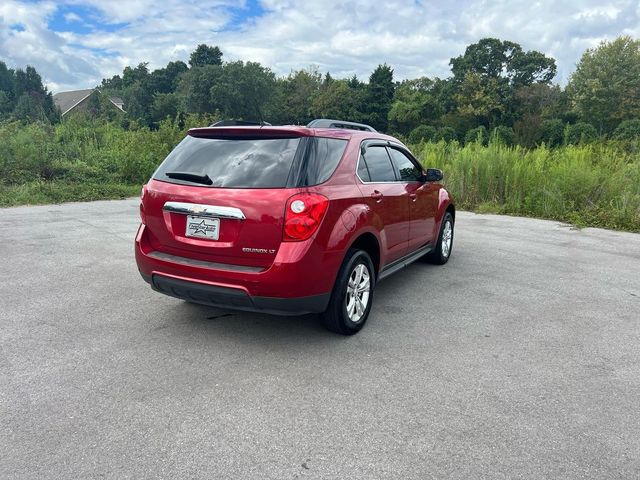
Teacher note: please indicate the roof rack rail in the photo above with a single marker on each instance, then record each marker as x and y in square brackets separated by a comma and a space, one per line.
[328, 123]
[239, 123]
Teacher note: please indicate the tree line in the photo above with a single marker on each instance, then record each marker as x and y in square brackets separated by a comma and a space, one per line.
[496, 89]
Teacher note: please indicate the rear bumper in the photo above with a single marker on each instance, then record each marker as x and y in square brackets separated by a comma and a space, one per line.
[235, 298]
[299, 280]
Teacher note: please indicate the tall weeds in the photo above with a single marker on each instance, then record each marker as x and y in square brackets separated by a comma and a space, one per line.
[597, 185]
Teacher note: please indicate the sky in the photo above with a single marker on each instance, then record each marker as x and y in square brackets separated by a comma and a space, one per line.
[74, 44]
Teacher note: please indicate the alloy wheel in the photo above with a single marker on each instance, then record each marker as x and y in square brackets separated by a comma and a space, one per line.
[358, 291]
[447, 238]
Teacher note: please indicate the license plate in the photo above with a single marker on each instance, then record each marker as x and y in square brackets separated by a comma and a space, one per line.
[203, 227]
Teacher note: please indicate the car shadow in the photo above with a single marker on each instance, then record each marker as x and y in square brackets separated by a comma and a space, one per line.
[242, 327]
[248, 327]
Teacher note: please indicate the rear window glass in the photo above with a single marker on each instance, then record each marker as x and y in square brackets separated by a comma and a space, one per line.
[232, 163]
[254, 163]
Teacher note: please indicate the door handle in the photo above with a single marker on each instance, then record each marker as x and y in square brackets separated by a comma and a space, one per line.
[413, 197]
[377, 195]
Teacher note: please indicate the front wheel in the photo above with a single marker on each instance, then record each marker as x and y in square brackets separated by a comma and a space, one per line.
[441, 253]
[352, 294]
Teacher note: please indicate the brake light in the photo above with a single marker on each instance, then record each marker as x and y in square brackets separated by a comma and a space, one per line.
[143, 217]
[303, 215]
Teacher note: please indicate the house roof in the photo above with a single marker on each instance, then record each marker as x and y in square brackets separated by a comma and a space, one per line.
[67, 101]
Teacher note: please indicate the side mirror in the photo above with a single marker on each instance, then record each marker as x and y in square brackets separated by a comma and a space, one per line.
[432, 175]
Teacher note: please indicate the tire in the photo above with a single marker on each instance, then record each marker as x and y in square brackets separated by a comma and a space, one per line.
[441, 254]
[343, 315]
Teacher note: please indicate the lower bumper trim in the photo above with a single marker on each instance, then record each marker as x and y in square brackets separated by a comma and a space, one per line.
[234, 298]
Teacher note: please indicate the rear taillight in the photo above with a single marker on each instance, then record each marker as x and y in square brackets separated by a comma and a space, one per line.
[303, 215]
[143, 217]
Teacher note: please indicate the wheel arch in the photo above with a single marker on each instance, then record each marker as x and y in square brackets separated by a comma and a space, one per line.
[452, 210]
[368, 242]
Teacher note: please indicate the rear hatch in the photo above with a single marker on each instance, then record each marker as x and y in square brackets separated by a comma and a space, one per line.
[220, 195]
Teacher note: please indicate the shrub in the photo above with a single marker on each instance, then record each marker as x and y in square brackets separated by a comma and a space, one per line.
[628, 130]
[553, 132]
[528, 131]
[448, 134]
[478, 135]
[503, 134]
[421, 133]
[580, 133]
[81, 149]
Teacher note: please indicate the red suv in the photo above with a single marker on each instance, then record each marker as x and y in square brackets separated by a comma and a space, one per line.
[290, 220]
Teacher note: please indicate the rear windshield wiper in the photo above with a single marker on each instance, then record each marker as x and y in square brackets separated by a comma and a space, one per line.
[191, 177]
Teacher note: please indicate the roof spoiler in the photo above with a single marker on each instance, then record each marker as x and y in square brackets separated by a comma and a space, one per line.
[239, 123]
[328, 123]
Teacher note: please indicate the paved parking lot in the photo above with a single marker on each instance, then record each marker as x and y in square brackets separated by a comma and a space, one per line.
[518, 359]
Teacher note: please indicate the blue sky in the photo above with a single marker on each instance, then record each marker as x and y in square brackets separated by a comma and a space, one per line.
[74, 44]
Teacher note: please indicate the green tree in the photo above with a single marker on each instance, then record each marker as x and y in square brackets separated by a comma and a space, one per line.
[94, 108]
[205, 55]
[488, 75]
[165, 80]
[28, 108]
[497, 59]
[165, 105]
[7, 87]
[34, 101]
[138, 74]
[243, 91]
[6, 105]
[604, 89]
[137, 100]
[379, 97]
[338, 100]
[532, 105]
[114, 83]
[296, 95]
[415, 102]
[194, 88]
[539, 99]
[480, 100]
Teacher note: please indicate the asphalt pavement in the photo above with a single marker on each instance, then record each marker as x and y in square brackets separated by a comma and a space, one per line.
[520, 358]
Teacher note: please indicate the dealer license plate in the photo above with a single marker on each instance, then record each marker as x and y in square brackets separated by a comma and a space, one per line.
[203, 227]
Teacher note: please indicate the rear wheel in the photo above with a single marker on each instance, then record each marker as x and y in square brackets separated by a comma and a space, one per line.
[441, 253]
[352, 294]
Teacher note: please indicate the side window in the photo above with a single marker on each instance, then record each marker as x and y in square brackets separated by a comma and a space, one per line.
[379, 165]
[408, 170]
[363, 171]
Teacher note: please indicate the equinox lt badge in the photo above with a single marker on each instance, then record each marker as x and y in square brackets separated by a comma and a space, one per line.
[259, 250]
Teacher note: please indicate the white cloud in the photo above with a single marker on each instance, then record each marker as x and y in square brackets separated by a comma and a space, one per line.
[72, 17]
[343, 37]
